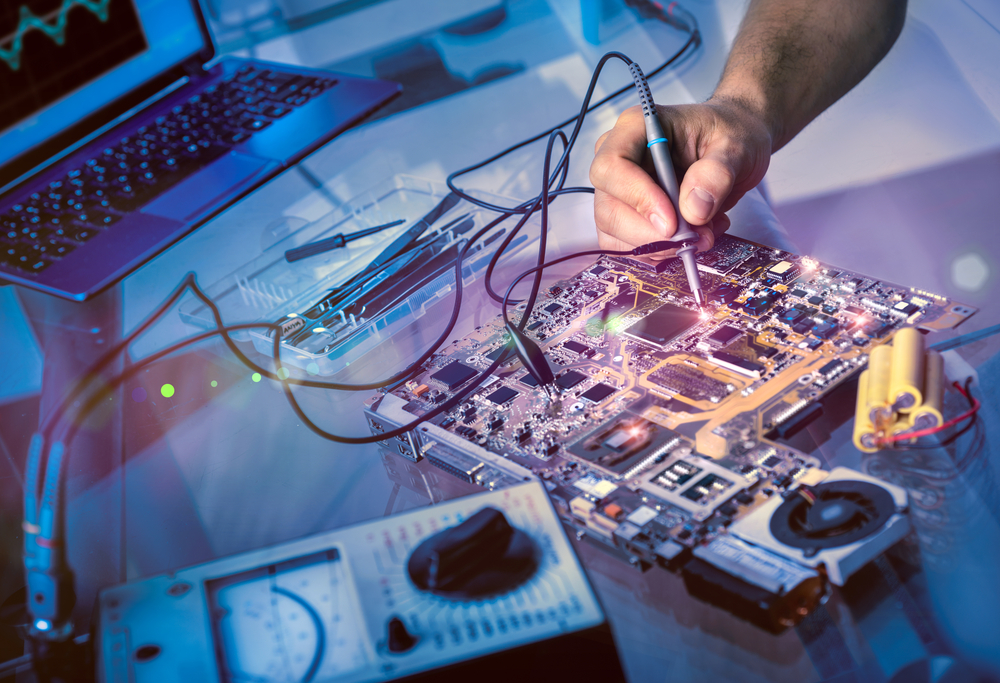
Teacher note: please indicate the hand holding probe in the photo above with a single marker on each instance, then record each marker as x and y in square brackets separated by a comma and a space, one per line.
[660, 151]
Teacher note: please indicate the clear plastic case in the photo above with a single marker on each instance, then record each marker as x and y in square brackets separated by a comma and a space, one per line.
[269, 288]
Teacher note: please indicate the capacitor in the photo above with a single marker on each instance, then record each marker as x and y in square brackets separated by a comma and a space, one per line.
[879, 369]
[928, 415]
[864, 430]
[907, 377]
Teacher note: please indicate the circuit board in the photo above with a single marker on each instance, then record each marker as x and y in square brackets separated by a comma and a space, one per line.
[665, 432]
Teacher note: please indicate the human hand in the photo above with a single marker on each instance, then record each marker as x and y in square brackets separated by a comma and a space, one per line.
[721, 150]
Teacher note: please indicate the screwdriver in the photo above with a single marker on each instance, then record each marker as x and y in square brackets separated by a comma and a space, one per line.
[685, 237]
[335, 242]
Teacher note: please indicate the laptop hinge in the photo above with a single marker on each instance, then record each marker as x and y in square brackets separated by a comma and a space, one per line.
[193, 68]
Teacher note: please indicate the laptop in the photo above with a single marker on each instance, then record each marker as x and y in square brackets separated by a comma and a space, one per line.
[120, 132]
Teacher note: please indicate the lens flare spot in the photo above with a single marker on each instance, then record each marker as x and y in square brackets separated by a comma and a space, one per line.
[970, 272]
[167, 390]
[214, 383]
[283, 373]
[138, 394]
[312, 369]
[255, 377]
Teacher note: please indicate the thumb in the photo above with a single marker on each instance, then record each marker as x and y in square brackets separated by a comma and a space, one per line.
[706, 185]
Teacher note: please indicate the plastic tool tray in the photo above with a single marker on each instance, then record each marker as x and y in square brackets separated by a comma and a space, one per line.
[269, 288]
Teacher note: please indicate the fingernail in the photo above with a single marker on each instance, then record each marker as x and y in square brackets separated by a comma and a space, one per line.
[701, 203]
[659, 224]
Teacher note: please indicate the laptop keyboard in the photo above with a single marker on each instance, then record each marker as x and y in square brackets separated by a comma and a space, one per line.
[54, 221]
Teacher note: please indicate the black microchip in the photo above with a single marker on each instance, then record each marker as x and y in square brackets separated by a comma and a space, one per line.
[769, 352]
[664, 324]
[493, 355]
[798, 292]
[534, 326]
[815, 300]
[454, 374]
[726, 293]
[598, 392]
[757, 305]
[570, 380]
[529, 380]
[552, 308]
[501, 395]
[829, 310]
[908, 309]
[724, 335]
[830, 367]
[575, 346]
[771, 462]
[597, 270]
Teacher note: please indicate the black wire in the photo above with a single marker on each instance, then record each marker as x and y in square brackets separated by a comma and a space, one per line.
[693, 40]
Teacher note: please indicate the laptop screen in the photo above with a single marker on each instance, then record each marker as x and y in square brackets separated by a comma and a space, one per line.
[62, 60]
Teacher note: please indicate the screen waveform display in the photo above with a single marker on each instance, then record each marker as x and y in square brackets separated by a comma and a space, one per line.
[50, 48]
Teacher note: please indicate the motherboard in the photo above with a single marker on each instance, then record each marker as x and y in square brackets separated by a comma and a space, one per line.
[664, 441]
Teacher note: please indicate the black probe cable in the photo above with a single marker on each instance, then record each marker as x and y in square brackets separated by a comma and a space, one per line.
[564, 162]
[694, 39]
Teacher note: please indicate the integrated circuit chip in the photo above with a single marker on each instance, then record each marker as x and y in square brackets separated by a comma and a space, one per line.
[575, 346]
[454, 374]
[501, 396]
[663, 325]
[598, 392]
[622, 441]
[723, 335]
[570, 380]
[528, 380]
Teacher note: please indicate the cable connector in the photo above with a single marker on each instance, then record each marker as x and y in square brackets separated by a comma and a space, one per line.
[51, 596]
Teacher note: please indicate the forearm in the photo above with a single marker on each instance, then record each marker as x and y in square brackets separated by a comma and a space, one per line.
[794, 58]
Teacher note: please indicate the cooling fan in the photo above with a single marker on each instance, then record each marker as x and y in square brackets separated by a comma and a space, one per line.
[842, 522]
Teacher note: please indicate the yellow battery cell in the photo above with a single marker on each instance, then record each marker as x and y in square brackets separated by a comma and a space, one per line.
[864, 431]
[928, 415]
[906, 381]
[879, 369]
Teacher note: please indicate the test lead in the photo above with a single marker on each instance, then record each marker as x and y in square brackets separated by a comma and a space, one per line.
[335, 242]
[657, 144]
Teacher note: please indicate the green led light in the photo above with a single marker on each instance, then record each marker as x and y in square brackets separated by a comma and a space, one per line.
[167, 390]
[214, 383]
[255, 377]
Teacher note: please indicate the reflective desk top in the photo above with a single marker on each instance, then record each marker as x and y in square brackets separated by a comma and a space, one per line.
[223, 466]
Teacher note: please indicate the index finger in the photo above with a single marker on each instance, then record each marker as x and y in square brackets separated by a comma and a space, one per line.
[616, 171]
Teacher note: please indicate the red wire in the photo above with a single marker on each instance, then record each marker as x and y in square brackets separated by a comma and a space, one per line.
[934, 430]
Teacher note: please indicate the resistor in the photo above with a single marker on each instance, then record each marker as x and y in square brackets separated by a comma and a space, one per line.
[907, 376]
[928, 415]
[864, 430]
[880, 371]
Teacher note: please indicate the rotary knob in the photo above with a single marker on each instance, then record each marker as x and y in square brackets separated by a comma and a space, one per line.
[482, 556]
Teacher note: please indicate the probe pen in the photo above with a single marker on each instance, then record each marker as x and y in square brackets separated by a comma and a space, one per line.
[660, 151]
[335, 242]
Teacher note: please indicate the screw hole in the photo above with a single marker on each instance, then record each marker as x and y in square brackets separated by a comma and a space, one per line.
[147, 652]
[39, 598]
